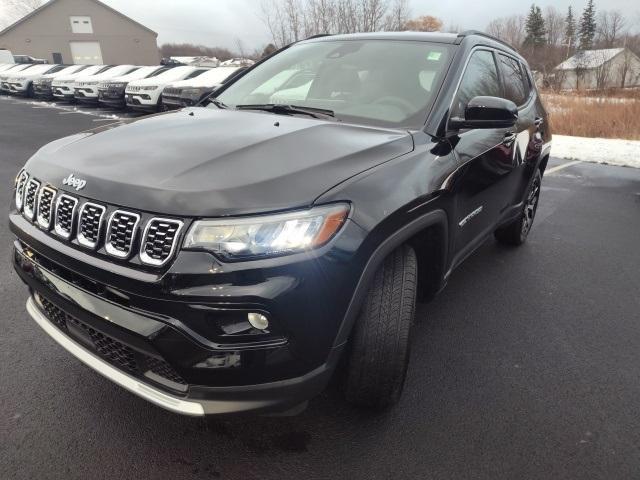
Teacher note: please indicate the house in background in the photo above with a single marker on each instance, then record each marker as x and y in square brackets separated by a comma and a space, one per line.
[81, 32]
[599, 69]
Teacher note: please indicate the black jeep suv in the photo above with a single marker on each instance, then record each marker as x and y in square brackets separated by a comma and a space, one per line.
[224, 258]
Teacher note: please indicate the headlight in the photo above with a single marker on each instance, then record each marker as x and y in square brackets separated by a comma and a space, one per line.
[150, 87]
[268, 235]
[192, 93]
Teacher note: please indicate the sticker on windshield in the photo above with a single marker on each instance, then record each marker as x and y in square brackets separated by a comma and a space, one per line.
[435, 56]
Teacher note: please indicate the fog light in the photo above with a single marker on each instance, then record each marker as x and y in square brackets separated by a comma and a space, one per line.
[257, 320]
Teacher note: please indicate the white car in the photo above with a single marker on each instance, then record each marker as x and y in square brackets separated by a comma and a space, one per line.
[111, 91]
[42, 86]
[21, 82]
[145, 95]
[237, 62]
[62, 87]
[187, 93]
[8, 66]
[85, 88]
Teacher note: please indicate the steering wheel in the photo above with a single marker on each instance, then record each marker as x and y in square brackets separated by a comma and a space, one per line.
[398, 102]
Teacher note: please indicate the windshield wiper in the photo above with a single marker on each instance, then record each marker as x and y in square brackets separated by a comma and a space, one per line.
[217, 103]
[282, 109]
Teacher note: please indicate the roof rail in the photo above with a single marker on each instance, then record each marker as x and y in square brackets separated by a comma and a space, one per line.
[319, 35]
[467, 33]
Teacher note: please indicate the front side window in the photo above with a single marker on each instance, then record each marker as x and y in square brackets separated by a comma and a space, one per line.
[479, 79]
[385, 83]
[515, 84]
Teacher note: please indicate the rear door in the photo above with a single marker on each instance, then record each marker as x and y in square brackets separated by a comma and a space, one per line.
[526, 148]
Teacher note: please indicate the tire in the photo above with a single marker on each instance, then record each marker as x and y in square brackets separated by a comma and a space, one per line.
[379, 353]
[515, 233]
[30, 91]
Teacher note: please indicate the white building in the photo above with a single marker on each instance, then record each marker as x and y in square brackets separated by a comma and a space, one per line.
[599, 69]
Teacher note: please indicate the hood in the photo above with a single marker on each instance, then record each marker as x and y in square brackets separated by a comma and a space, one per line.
[207, 162]
[207, 79]
[150, 81]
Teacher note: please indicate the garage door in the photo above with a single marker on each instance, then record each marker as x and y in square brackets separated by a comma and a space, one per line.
[86, 53]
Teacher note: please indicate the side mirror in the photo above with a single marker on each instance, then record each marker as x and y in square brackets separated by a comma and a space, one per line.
[487, 112]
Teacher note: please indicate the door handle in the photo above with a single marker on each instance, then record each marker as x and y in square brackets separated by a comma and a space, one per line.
[509, 138]
[538, 121]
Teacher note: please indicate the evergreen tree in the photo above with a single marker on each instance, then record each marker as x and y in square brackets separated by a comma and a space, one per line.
[587, 31]
[570, 29]
[535, 29]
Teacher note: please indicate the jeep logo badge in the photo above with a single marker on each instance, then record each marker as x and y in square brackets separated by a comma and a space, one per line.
[74, 182]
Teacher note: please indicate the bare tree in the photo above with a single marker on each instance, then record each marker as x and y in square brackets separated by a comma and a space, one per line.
[510, 29]
[292, 20]
[398, 17]
[611, 24]
[554, 23]
[426, 23]
[13, 10]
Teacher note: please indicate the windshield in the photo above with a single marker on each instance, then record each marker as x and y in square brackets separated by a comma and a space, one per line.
[119, 70]
[92, 70]
[217, 75]
[385, 83]
[35, 69]
[175, 73]
[141, 73]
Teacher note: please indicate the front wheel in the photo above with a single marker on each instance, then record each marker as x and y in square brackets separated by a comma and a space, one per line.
[516, 232]
[379, 353]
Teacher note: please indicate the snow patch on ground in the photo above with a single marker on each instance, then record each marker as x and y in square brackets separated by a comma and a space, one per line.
[610, 151]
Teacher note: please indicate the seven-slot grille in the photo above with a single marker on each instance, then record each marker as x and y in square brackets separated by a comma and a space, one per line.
[159, 240]
[48, 208]
[30, 198]
[90, 224]
[45, 206]
[65, 212]
[20, 187]
[121, 233]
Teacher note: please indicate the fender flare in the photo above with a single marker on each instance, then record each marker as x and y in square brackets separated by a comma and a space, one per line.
[436, 217]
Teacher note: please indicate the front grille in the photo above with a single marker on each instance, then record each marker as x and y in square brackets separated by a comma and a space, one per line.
[163, 369]
[65, 212]
[172, 91]
[45, 207]
[30, 199]
[121, 233]
[20, 186]
[112, 350]
[84, 223]
[53, 313]
[90, 224]
[159, 240]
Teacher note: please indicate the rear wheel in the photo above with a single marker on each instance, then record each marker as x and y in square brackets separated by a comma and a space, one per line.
[516, 232]
[379, 353]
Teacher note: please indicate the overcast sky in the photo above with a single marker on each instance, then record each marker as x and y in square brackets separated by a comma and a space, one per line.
[221, 22]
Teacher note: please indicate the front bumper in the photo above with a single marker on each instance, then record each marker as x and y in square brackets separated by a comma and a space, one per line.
[85, 95]
[112, 97]
[159, 317]
[141, 102]
[42, 90]
[63, 93]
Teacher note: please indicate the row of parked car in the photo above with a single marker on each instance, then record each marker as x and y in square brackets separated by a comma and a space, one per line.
[142, 88]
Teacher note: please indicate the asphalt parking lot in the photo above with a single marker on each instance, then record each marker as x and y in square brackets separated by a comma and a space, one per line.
[527, 366]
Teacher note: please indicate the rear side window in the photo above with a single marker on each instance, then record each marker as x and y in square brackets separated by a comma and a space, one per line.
[479, 79]
[516, 86]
